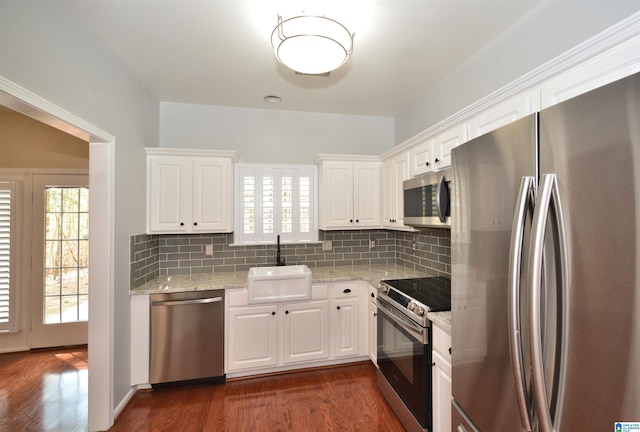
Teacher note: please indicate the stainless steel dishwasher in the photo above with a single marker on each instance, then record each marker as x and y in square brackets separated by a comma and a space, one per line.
[187, 336]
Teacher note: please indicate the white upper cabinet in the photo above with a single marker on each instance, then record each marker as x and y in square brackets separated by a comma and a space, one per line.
[349, 193]
[447, 141]
[434, 154]
[395, 170]
[612, 65]
[505, 113]
[189, 191]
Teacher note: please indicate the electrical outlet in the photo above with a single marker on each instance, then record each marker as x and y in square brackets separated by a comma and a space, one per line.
[413, 246]
[372, 244]
[208, 250]
[327, 246]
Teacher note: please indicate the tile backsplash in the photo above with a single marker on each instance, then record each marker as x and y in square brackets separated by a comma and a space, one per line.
[428, 251]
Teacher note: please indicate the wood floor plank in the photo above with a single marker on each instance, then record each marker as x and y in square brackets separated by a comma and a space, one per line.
[47, 391]
[325, 400]
[44, 390]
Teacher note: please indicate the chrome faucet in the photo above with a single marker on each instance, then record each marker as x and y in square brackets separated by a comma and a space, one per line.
[279, 262]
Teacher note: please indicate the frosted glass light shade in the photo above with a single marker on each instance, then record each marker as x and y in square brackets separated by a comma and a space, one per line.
[311, 44]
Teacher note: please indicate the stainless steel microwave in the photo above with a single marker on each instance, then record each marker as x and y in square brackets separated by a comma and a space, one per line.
[427, 200]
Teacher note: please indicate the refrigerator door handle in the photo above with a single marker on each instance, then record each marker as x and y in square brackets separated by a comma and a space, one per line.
[442, 199]
[547, 193]
[524, 205]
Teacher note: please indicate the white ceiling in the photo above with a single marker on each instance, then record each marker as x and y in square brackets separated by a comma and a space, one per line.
[218, 52]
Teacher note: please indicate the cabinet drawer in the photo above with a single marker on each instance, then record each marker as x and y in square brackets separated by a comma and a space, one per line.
[346, 289]
[441, 343]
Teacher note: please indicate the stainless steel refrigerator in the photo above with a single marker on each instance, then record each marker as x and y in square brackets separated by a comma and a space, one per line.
[545, 241]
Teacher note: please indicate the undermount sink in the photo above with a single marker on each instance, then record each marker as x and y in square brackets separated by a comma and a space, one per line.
[279, 284]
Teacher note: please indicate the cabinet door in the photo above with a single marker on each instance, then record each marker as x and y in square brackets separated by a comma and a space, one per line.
[401, 173]
[306, 331]
[388, 194]
[211, 194]
[447, 141]
[505, 113]
[366, 195]
[373, 331]
[345, 327]
[337, 195]
[167, 190]
[612, 65]
[252, 337]
[441, 374]
[421, 158]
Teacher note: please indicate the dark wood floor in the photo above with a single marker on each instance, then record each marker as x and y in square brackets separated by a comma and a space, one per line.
[335, 399]
[47, 391]
[44, 390]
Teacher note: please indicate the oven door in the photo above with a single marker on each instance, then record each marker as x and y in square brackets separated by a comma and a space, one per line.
[404, 358]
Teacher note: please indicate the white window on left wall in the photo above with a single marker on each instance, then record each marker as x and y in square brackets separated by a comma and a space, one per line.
[274, 200]
[8, 321]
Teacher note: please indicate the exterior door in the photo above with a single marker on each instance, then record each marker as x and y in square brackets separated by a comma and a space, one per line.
[60, 260]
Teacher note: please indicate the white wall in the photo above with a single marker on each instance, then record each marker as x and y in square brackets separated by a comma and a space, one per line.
[46, 50]
[548, 30]
[272, 136]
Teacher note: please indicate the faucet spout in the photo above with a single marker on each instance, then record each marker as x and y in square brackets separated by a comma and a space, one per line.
[279, 262]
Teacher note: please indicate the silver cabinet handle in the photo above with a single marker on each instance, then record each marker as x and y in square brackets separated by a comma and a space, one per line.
[461, 428]
[524, 206]
[548, 192]
[187, 302]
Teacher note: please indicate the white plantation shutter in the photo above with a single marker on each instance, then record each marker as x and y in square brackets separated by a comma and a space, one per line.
[7, 318]
[275, 200]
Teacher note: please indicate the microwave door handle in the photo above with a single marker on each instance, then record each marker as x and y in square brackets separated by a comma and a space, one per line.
[524, 206]
[442, 198]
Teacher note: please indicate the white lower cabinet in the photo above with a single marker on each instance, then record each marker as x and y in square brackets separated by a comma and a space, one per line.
[346, 331]
[306, 331]
[273, 335]
[372, 322]
[330, 328]
[441, 376]
[252, 337]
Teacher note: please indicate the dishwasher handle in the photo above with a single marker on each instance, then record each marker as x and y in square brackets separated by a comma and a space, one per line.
[187, 302]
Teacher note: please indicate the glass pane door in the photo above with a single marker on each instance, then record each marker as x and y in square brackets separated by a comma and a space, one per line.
[66, 294]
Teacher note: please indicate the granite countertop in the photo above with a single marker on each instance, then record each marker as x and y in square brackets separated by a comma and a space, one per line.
[230, 280]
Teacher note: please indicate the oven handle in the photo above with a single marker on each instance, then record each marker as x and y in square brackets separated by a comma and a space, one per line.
[414, 330]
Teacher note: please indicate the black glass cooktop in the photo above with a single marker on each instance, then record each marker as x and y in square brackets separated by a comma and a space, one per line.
[433, 292]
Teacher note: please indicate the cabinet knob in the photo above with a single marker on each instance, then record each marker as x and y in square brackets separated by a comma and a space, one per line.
[273, 313]
[338, 307]
[427, 164]
[181, 223]
[286, 312]
[357, 220]
[375, 314]
[195, 223]
[346, 290]
[373, 295]
[351, 220]
[437, 160]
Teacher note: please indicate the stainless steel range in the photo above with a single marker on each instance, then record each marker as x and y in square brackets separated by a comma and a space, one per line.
[404, 345]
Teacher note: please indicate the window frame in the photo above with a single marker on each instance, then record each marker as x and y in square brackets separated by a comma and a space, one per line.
[278, 171]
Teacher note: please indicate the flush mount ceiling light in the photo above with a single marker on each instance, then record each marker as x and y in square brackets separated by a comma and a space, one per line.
[311, 44]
